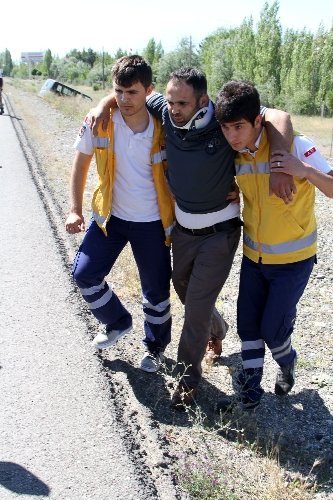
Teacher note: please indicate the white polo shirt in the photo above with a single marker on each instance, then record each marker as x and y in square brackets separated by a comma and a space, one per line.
[134, 194]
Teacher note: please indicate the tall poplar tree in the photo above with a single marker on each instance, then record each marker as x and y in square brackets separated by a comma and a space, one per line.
[149, 51]
[287, 49]
[47, 62]
[244, 60]
[268, 41]
[326, 76]
[7, 63]
[217, 58]
[299, 84]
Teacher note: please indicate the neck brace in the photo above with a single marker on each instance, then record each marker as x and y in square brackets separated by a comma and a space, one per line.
[201, 118]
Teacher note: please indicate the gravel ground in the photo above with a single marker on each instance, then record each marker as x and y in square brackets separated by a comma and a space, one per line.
[285, 449]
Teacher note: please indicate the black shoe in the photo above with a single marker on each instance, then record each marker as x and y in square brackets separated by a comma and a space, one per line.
[285, 378]
[182, 397]
[228, 403]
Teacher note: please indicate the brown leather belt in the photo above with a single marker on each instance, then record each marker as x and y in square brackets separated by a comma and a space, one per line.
[220, 226]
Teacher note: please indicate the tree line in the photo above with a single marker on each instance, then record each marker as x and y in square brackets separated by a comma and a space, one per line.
[292, 69]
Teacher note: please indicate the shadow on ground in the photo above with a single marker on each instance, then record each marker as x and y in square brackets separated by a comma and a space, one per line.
[295, 429]
[19, 480]
[309, 451]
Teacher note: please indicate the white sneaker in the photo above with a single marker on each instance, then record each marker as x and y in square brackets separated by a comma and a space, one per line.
[107, 339]
[151, 362]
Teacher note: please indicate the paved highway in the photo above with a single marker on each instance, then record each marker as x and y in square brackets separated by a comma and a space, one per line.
[59, 438]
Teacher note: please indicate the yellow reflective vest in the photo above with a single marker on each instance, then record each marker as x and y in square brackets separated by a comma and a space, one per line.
[106, 168]
[274, 232]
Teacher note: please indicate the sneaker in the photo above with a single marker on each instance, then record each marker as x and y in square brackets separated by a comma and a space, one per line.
[213, 350]
[151, 361]
[182, 397]
[285, 378]
[107, 339]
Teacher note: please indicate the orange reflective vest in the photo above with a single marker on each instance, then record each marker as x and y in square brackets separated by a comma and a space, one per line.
[106, 167]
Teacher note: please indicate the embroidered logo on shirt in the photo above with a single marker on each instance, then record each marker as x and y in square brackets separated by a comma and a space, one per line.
[212, 145]
[309, 152]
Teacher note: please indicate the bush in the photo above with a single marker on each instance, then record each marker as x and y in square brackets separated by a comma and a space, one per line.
[301, 103]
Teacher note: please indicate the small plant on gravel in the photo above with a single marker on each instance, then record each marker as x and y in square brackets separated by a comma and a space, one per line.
[202, 480]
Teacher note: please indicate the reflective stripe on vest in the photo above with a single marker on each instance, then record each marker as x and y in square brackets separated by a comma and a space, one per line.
[281, 248]
[247, 168]
[158, 157]
[101, 142]
[169, 229]
[99, 218]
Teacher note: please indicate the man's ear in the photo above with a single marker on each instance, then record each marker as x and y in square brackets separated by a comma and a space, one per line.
[203, 101]
[258, 122]
[149, 90]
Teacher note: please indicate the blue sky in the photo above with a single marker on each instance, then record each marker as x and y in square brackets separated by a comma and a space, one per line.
[63, 25]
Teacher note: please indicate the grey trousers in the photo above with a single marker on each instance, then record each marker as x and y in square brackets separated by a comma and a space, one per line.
[201, 265]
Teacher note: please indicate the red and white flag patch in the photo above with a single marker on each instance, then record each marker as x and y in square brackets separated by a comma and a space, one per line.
[309, 152]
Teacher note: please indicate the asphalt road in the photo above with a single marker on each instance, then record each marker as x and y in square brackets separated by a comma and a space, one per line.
[59, 437]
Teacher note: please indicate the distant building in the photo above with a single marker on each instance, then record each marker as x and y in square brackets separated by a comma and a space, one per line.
[32, 57]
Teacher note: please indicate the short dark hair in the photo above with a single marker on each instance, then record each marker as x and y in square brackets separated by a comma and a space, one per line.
[132, 69]
[237, 100]
[192, 76]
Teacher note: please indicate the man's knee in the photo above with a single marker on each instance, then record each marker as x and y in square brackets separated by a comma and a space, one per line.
[82, 272]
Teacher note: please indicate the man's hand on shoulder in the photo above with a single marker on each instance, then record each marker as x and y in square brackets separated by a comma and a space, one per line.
[281, 184]
[101, 113]
[97, 116]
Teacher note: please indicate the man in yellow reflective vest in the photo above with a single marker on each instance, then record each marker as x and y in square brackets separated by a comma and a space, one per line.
[131, 204]
[279, 242]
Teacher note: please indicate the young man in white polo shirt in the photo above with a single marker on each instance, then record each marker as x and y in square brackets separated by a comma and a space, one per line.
[131, 204]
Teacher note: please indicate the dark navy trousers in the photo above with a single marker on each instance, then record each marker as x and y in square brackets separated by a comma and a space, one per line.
[95, 259]
[266, 310]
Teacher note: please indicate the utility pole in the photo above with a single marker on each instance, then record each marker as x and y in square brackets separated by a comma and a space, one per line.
[103, 79]
[190, 63]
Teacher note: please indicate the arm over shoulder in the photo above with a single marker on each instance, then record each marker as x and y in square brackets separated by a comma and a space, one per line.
[157, 105]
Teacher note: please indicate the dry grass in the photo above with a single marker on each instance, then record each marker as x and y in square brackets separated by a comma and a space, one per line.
[213, 473]
[75, 107]
[316, 128]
